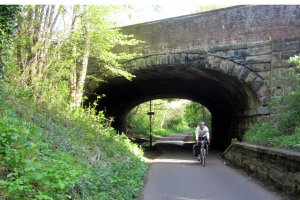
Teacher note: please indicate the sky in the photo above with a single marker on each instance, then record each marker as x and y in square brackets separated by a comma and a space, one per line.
[151, 10]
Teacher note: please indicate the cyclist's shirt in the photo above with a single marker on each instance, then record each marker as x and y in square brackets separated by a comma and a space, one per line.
[202, 132]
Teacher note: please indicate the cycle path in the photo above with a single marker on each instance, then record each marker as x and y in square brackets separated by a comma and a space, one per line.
[177, 175]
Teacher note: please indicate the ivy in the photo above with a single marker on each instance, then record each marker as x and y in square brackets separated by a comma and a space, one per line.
[7, 25]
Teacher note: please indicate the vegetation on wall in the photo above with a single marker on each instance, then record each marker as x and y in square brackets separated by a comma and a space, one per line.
[282, 130]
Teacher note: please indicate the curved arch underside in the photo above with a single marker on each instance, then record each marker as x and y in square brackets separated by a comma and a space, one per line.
[225, 96]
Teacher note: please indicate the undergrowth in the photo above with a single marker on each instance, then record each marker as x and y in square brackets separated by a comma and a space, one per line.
[52, 152]
[283, 130]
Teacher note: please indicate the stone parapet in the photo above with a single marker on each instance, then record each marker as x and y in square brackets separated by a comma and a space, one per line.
[281, 168]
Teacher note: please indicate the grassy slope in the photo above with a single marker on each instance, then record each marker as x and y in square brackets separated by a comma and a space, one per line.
[55, 153]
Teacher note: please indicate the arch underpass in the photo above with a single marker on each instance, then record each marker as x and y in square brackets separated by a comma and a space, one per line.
[230, 60]
[227, 90]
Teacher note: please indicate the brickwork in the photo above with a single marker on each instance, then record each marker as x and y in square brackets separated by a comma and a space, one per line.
[229, 26]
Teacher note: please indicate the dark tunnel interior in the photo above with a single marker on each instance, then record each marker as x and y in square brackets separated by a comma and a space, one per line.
[226, 97]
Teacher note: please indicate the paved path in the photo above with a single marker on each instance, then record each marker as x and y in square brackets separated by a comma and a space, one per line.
[177, 175]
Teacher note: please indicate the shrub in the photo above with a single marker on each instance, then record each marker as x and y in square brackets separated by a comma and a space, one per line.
[27, 157]
[261, 134]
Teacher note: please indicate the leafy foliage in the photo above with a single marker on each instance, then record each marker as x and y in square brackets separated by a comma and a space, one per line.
[287, 116]
[61, 153]
[166, 120]
[195, 112]
[282, 130]
[27, 157]
[7, 26]
[49, 150]
[261, 133]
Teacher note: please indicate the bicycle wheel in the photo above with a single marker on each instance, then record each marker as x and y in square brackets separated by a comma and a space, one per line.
[203, 158]
[207, 149]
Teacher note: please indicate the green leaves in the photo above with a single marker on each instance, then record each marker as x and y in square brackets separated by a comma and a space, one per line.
[261, 134]
[34, 166]
[64, 153]
[48, 151]
[282, 131]
[194, 113]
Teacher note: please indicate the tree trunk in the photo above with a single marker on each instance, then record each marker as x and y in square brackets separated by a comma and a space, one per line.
[35, 34]
[164, 117]
[73, 75]
[83, 70]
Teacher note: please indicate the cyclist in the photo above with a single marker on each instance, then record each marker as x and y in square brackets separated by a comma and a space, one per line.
[202, 132]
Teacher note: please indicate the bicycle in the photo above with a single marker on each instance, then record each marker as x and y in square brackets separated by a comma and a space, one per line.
[201, 151]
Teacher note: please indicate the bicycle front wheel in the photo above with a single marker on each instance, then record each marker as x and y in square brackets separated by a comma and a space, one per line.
[203, 158]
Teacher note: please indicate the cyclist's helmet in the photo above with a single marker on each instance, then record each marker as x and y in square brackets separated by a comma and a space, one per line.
[202, 123]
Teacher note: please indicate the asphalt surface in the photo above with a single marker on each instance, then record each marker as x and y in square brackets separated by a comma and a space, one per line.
[177, 175]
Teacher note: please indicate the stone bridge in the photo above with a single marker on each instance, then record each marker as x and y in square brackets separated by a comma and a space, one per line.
[230, 60]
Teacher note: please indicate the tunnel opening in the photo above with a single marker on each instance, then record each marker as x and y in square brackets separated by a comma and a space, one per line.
[225, 96]
[168, 116]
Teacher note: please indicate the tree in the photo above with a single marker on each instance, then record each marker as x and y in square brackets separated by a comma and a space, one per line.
[8, 16]
[35, 34]
[195, 113]
[92, 35]
[52, 47]
[167, 118]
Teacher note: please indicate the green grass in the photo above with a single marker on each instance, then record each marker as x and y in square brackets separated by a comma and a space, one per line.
[282, 130]
[266, 135]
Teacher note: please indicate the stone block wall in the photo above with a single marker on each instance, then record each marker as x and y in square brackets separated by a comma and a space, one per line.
[280, 168]
[228, 26]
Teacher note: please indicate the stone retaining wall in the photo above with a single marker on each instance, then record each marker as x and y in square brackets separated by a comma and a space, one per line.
[278, 167]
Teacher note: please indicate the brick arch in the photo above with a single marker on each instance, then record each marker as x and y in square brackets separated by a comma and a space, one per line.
[202, 60]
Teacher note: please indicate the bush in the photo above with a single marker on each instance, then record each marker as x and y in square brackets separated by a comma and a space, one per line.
[26, 157]
[283, 131]
[175, 122]
[261, 134]
[288, 141]
[287, 112]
